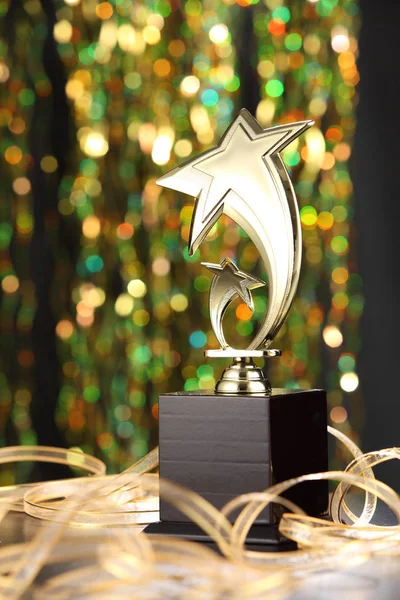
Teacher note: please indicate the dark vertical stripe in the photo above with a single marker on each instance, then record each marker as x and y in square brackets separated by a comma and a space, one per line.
[49, 135]
[377, 217]
[246, 47]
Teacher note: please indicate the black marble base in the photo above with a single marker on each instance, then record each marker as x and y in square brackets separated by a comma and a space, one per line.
[223, 446]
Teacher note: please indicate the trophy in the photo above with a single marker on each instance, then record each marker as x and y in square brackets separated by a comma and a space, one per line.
[244, 436]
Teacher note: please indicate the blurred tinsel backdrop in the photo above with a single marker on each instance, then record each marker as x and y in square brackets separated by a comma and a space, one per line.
[102, 309]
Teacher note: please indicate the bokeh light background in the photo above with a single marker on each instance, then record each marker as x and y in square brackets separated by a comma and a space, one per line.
[102, 309]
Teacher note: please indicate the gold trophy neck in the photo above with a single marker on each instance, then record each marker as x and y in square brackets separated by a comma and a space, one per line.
[243, 377]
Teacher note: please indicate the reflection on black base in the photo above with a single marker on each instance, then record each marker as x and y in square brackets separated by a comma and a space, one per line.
[264, 538]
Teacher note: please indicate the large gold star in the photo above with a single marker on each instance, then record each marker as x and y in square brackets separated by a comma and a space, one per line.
[245, 178]
[242, 163]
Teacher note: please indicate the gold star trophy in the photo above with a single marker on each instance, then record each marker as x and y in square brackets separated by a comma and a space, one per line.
[244, 436]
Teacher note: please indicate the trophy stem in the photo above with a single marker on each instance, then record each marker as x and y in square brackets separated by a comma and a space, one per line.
[243, 377]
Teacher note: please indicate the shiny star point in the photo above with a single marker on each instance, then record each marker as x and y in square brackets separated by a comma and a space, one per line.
[243, 154]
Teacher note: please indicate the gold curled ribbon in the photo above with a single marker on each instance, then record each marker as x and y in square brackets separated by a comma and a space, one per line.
[122, 562]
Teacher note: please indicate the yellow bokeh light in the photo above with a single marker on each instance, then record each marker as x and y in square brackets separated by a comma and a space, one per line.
[340, 300]
[167, 131]
[74, 88]
[340, 42]
[318, 107]
[265, 112]
[62, 31]
[222, 75]
[83, 75]
[141, 318]
[199, 119]
[156, 20]
[312, 44]
[219, 33]
[349, 382]
[49, 164]
[84, 102]
[10, 284]
[179, 302]
[102, 55]
[64, 329]
[124, 305]
[266, 68]
[309, 220]
[94, 144]
[108, 35]
[340, 275]
[315, 148]
[72, 2]
[332, 336]
[22, 186]
[94, 297]
[133, 130]
[13, 155]
[4, 72]
[183, 148]
[205, 137]
[151, 35]
[140, 44]
[325, 220]
[161, 151]
[137, 288]
[190, 85]
[126, 37]
[223, 51]
[147, 133]
[91, 227]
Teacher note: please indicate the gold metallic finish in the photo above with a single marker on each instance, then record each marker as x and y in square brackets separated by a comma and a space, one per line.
[245, 178]
[228, 283]
[232, 353]
[243, 377]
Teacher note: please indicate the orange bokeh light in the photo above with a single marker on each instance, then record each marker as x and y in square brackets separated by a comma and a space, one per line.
[243, 312]
[125, 231]
[104, 10]
[276, 27]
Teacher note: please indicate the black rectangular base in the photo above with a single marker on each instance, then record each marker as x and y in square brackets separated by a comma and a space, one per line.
[223, 446]
[264, 538]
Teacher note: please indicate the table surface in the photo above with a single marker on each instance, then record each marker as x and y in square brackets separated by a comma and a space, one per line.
[378, 578]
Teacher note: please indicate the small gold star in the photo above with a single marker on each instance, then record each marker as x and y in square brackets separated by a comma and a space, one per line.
[230, 278]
